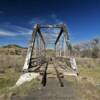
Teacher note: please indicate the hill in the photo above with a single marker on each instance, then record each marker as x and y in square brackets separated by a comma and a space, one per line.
[12, 49]
[12, 46]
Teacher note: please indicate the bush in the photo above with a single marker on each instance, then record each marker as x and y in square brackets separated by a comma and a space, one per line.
[95, 52]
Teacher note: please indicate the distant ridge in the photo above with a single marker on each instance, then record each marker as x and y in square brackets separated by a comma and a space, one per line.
[13, 46]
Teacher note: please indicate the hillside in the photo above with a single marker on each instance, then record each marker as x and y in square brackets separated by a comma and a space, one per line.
[12, 49]
[12, 46]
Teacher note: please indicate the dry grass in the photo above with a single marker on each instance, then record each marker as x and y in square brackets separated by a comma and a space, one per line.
[11, 61]
[86, 87]
[10, 70]
[88, 62]
[11, 67]
[88, 84]
[89, 69]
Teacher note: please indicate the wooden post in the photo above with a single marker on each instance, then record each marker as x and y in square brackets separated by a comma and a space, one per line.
[60, 48]
[64, 45]
[55, 50]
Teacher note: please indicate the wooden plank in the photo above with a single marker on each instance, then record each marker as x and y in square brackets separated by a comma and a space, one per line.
[44, 79]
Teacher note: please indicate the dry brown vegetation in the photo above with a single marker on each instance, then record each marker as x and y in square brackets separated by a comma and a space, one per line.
[11, 65]
[11, 61]
[90, 49]
[12, 50]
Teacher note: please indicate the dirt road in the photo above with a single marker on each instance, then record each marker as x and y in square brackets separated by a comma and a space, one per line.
[52, 91]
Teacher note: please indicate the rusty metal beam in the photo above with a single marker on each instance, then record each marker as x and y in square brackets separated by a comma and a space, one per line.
[65, 32]
[61, 31]
[51, 26]
[37, 30]
[41, 37]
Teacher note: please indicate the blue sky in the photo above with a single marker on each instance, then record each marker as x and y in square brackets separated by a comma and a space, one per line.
[17, 18]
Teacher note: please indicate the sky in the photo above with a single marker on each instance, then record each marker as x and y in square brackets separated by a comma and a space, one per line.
[17, 18]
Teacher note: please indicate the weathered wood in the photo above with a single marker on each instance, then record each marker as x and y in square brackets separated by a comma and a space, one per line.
[58, 75]
[44, 79]
[29, 54]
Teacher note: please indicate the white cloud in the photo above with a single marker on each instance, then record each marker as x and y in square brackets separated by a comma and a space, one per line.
[56, 19]
[51, 18]
[14, 30]
[8, 29]
[6, 33]
[21, 30]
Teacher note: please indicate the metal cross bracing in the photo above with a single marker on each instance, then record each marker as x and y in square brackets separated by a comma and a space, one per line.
[37, 58]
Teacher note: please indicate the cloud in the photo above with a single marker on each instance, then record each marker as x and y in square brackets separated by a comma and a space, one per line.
[50, 34]
[19, 30]
[6, 33]
[48, 19]
[14, 30]
[56, 19]
[8, 29]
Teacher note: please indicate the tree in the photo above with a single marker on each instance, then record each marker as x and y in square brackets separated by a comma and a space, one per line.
[95, 52]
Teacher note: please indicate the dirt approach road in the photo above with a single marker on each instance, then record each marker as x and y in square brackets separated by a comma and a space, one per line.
[73, 88]
[52, 91]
